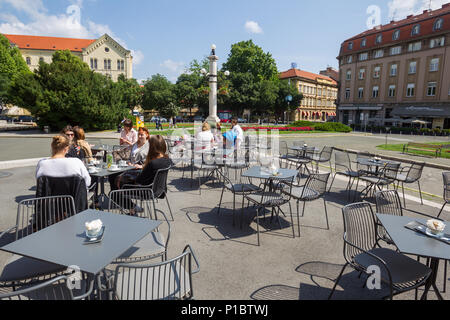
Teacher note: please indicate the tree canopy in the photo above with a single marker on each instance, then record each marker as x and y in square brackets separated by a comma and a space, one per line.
[159, 94]
[67, 91]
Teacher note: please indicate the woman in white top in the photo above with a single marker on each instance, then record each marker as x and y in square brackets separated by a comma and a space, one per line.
[205, 138]
[60, 166]
[139, 150]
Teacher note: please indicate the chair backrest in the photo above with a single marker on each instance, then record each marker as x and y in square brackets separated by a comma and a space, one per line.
[309, 152]
[159, 186]
[359, 229]
[415, 171]
[325, 154]
[390, 170]
[388, 202]
[342, 161]
[124, 200]
[54, 289]
[167, 280]
[74, 186]
[446, 178]
[316, 182]
[39, 213]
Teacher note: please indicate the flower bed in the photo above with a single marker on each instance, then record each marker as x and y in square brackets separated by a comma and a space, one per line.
[278, 128]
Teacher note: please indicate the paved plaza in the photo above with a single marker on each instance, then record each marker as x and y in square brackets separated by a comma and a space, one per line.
[232, 265]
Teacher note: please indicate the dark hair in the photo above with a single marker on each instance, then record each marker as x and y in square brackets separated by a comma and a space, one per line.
[157, 146]
[67, 128]
[59, 142]
[79, 133]
[234, 120]
[145, 130]
[128, 123]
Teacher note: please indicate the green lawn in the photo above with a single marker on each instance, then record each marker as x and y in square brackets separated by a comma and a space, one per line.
[399, 148]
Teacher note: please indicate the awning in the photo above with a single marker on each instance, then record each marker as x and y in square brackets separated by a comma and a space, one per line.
[360, 107]
[422, 111]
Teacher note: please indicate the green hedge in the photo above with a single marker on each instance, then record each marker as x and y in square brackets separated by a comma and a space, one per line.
[325, 126]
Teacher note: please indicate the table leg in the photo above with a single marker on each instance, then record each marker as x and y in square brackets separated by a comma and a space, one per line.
[431, 282]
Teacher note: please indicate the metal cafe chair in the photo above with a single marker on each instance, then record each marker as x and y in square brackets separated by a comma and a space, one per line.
[387, 202]
[34, 215]
[167, 280]
[446, 178]
[385, 177]
[360, 253]
[410, 174]
[137, 202]
[54, 289]
[313, 189]
[343, 166]
[322, 157]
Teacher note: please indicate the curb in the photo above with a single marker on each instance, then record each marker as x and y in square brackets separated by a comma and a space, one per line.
[388, 157]
[11, 164]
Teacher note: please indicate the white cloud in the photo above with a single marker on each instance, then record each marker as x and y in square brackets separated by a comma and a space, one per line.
[400, 9]
[253, 27]
[138, 56]
[173, 66]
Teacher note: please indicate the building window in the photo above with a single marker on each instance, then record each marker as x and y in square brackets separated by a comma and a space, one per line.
[349, 75]
[107, 64]
[350, 46]
[362, 73]
[106, 49]
[376, 72]
[396, 35]
[360, 93]
[41, 59]
[378, 39]
[438, 42]
[434, 64]
[379, 53]
[393, 72]
[431, 90]
[120, 65]
[349, 59]
[416, 46]
[347, 93]
[94, 64]
[396, 50]
[363, 56]
[412, 67]
[28, 61]
[391, 90]
[363, 42]
[415, 30]
[410, 90]
[438, 24]
[375, 91]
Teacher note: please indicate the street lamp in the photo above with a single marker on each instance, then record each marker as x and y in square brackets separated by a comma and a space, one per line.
[212, 75]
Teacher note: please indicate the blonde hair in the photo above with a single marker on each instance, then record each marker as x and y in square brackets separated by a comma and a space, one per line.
[59, 143]
[206, 126]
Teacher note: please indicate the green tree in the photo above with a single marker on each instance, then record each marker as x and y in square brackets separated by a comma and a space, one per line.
[12, 67]
[130, 90]
[66, 91]
[159, 93]
[285, 88]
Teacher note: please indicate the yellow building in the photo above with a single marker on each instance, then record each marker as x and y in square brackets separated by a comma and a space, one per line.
[104, 55]
[319, 95]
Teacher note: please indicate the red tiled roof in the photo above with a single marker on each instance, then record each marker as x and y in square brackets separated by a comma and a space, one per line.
[426, 20]
[48, 43]
[296, 73]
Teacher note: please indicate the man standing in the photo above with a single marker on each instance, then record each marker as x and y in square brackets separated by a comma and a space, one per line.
[236, 128]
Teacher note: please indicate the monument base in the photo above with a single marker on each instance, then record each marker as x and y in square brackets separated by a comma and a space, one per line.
[212, 120]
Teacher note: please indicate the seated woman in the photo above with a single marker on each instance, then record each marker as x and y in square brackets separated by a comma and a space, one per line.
[157, 158]
[58, 165]
[74, 150]
[204, 139]
[80, 141]
[128, 136]
[138, 154]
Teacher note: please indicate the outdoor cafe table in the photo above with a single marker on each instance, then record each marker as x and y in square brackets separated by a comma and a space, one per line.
[374, 163]
[100, 176]
[415, 243]
[63, 243]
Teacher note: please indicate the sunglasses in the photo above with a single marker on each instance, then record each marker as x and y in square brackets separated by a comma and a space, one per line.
[69, 134]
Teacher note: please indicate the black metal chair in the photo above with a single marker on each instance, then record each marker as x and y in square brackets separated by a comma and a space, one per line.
[205, 162]
[362, 168]
[322, 157]
[387, 202]
[446, 178]
[385, 177]
[411, 174]
[303, 160]
[158, 188]
[276, 192]
[167, 280]
[57, 288]
[398, 271]
[288, 157]
[313, 189]
[137, 202]
[237, 188]
[34, 215]
[343, 166]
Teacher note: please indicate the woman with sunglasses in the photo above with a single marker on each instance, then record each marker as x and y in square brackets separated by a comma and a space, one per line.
[75, 151]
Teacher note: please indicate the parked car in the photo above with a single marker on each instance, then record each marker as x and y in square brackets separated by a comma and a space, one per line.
[242, 120]
[199, 118]
[8, 119]
[162, 119]
[25, 119]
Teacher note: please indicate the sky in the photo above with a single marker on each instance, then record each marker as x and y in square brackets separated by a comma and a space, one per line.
[164, 36]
